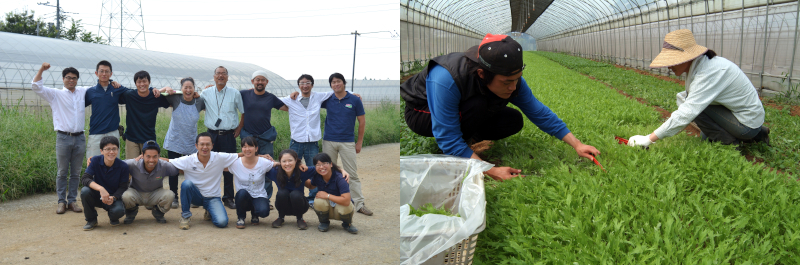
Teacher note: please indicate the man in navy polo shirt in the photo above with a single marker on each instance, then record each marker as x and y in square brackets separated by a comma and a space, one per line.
[104, 182]
[141, 107]
[343, 111]
[104, 98]
[258, 104]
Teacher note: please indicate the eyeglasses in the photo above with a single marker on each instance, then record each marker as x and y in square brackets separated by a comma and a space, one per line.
[306, 83]
[323, 164]
[221, 74]
[104, 72]
[112, 149]
[70, 78]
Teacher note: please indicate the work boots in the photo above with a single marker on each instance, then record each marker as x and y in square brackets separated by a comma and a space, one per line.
[130, 215]
[158, 215]
[324, 221]
[347, 223]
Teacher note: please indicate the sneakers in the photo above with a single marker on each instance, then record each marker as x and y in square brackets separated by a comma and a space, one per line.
[254, 220]
[175, 203]
[62, 208]
[350, 228]
[184, 223]
[277, 223]
[114, 222]
[90, 225]
[74, 207]
[240, 223]
[365, 211]
[301, 224]
[229, 203]
[207, 216]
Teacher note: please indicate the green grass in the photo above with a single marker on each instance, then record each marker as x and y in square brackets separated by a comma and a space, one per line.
[684, 201]
[784, 152]
[27, 144]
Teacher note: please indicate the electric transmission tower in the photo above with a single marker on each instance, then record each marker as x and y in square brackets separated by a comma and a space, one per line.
[121, 21]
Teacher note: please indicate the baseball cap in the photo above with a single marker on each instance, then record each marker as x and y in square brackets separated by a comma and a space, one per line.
[498, 53]
[149, 145]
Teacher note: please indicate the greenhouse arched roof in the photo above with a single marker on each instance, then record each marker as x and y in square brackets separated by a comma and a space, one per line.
[22, 55]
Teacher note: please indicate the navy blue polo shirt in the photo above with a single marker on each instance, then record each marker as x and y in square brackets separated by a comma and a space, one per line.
[340, 121]
[335, 186]
[259, 110]
[105, 107]
[273, 175]
[108, 177]
[140, 115]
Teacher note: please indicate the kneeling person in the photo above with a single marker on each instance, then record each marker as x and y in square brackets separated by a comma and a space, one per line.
[104, 182]
[147, 184]
[333, 198]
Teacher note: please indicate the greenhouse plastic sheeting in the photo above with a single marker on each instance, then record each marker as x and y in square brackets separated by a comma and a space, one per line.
[454, 183]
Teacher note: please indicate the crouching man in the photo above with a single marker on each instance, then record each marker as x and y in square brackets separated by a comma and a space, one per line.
[147, 184]
[104, 182]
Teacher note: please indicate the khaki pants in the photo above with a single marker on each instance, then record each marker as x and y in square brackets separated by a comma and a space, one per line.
[132, 150]
[160, 197]
[93, 143]
[347, 151]
[324, 205]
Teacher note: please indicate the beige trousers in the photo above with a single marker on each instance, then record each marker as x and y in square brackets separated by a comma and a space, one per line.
[132, 150]
[324, 205]
[160, 197]
[347, 152]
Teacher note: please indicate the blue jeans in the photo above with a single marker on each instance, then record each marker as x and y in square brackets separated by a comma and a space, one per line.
[257, 206]
[264, 148]
[91, 198]
[307, 151]
[69, 158]
[191, 195]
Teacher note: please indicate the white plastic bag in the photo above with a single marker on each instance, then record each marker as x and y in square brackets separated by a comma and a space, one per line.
[453, 182]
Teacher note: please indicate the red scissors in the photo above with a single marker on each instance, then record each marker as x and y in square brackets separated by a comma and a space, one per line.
[625, 141]
[598, 163]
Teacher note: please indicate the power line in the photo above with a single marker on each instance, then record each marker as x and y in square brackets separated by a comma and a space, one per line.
[254, 37]
[269, 18]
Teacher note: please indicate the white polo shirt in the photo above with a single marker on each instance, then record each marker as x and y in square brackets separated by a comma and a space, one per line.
[304, 121]
[251, 180]
[207, 179]
[69, 108]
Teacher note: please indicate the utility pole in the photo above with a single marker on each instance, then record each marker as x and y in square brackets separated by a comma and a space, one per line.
[58, 15]
[353, 78]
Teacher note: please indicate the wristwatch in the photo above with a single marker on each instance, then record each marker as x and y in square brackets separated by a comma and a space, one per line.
[329, 196]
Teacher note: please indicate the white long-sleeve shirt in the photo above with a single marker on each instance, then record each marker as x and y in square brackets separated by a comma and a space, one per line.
[69, 110]
[716, 81]
[304, 121]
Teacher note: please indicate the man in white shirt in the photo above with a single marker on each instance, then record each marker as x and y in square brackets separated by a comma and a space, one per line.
[304, 122]
[203, 171]
[68, 109]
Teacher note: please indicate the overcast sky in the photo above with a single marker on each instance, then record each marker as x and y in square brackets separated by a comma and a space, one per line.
[377, 56]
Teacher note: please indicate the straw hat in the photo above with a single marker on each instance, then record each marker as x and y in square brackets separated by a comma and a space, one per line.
[678, 47]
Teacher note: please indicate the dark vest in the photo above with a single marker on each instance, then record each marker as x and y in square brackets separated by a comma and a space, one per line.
[414, 93]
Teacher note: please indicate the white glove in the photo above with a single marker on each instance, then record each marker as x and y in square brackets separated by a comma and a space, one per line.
[639, 140]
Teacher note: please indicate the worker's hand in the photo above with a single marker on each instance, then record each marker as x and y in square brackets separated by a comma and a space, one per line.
[346, 176]
[209, 86]
[237, 131]
[303, 167]
[45, 66]
[503, 173]
[115, 84]
[359, 96]
[639, 140]
[267, 156]
[322, 195]
[587, 151]
[293, 96]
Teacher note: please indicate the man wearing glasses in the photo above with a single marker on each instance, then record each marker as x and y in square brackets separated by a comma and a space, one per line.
[222, 120]
[104, 98]
[141, 111]
[68, 109]
[343, 111]
[461, 98]
[104, 182]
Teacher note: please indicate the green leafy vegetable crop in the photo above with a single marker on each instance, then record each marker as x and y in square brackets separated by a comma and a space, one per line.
[429, 209]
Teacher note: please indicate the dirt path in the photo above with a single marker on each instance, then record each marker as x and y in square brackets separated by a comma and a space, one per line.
[32, 233]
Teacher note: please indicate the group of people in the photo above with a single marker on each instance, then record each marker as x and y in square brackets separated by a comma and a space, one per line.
[461, 98]
[120, 187]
